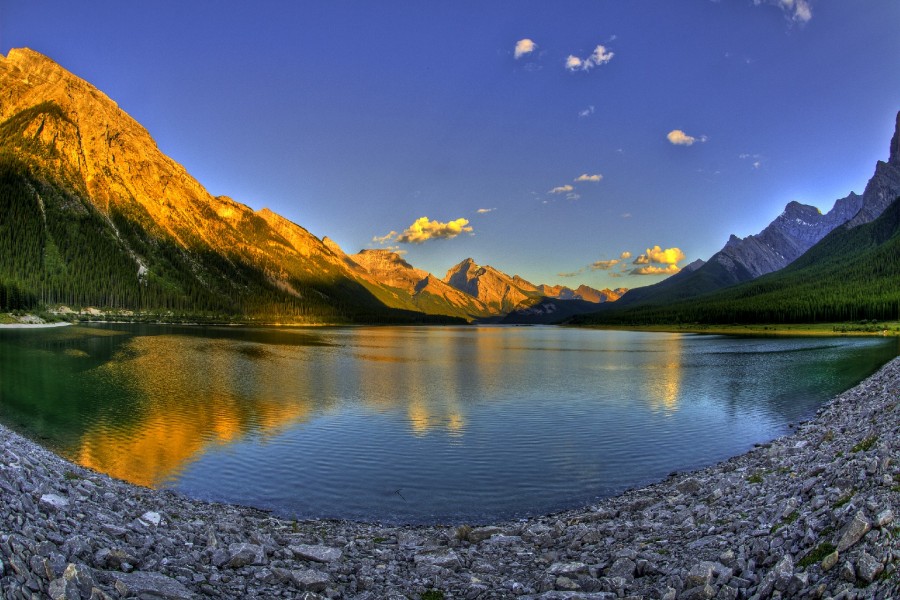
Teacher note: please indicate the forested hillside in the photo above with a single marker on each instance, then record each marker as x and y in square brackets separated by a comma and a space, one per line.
[852, 274]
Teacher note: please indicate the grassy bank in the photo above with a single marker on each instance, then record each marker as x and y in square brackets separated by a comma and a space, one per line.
[886, 328]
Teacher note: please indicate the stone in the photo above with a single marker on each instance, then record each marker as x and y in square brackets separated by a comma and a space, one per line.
[571, 568]
[243, 554]
[868, 567]
[884, 518]
[53, 502]
[854, 531]
[447, 559]
[830, 560]
[151, 585]
[310, 580]
[479, 534]
[623, 567]
[700, 574]
[784, 571]
[322, 554]
[151, 518]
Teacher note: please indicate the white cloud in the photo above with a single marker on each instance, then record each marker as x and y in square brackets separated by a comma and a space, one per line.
[757, 164]
[625, 215]
[384, 238]
[680, 138]
[600, 56]
[586, 112]
[798, 11]
[424, 229]
[590, 178]
[482, 211]
[573, 196]
[523, 47]
[562, 189]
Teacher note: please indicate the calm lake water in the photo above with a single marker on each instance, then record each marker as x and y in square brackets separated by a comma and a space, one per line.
[429, 424]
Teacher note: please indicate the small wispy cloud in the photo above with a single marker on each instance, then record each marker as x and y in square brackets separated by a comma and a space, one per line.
[482, 211]
[561, 189]
[586, 112]
[625, 255]
[573, 196]
[571, 274]
[589, 178]
[600, 56]
[604, 265]
[680, 138]
[524, 47]
[424, 229]
[796, 11]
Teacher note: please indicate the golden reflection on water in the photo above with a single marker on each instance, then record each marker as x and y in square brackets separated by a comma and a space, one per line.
[394, 381]
[186, 394]
[662, 383]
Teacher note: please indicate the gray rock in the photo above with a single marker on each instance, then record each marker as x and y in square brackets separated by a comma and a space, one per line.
[830, 560]
[623, 567]
[243, 554]
[700, 574]
[151, 585]
[571, 568]
[322, 554]
[868, 568]
[310, 580]
[151, 518]
[447, 559]
[53, 502]
[479, 534]
[884, 518]
[854, 531]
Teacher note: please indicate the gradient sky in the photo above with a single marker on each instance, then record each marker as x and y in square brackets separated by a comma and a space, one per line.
[356, 119]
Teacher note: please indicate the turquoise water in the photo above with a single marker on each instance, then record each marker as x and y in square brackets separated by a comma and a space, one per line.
[407, 424]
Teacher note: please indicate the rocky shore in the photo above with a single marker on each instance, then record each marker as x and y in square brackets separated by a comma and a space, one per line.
[810, 515]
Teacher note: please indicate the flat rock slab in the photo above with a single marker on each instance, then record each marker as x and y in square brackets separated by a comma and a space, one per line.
[151, 585]
[322, 554]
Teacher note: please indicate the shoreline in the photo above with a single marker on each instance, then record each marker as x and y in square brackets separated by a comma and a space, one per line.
[806, 515]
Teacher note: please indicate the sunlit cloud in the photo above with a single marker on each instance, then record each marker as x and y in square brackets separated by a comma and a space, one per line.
[656, 261]
[655, 270]
[482, 211]
[590, 178]
[385, 238]
[798, 11]
[572, 274]
[524, 47]
[604, 265]
[625, 255]
[680, 138]
[669, 256]
[424, 229]
[586, 112]
[600, 56]
[562, 189]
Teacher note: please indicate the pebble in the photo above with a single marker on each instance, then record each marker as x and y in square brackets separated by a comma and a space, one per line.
[739, 530]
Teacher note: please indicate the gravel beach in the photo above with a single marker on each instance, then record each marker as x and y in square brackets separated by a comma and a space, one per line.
[810, 515]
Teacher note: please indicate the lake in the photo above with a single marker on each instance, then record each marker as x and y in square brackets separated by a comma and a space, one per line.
[411, 424]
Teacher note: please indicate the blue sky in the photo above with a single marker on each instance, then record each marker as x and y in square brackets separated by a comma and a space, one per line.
[357, 119]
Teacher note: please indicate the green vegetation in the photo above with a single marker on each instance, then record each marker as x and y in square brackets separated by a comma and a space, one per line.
[843, 500]
[58, 248]
[850, 277]
[865, 444]
[433, 595]
[786, 521]
[755, 478]
[462, 532]
[817, 554]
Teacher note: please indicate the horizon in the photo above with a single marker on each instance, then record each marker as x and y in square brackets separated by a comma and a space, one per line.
[565, 116]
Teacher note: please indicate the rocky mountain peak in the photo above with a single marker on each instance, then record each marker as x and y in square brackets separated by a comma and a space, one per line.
[894, 157]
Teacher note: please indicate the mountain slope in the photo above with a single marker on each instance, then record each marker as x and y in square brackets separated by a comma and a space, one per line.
[788, 237]
[851, 274]
[425, 291]
[103, 217]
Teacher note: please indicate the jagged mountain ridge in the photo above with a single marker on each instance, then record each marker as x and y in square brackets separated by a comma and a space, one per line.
[783, 241]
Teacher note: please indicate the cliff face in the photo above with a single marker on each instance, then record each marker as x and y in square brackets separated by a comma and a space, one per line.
[497, 290]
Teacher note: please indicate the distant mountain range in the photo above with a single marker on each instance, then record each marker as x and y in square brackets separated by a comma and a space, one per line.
[810, 256]
[92, 213]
